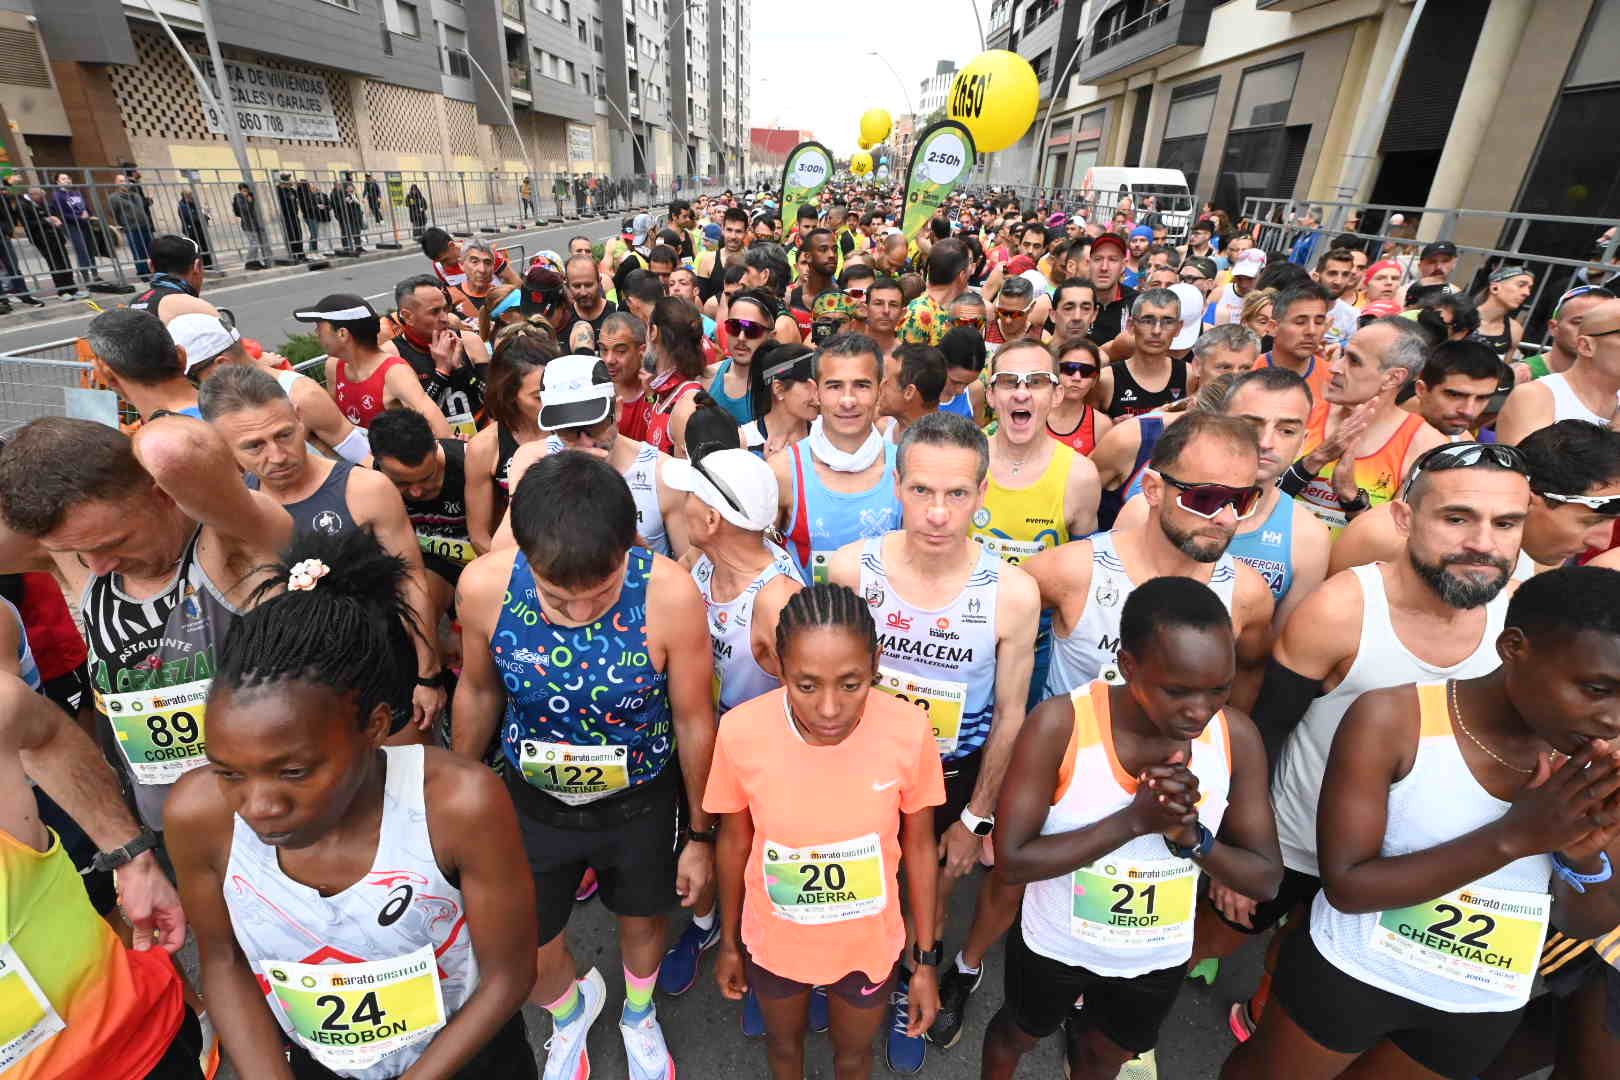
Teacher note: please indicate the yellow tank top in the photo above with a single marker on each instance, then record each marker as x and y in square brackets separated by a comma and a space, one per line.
[1018, 523]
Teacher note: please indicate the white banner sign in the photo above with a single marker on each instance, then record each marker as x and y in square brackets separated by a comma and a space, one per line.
[581, 147]
[274, 103]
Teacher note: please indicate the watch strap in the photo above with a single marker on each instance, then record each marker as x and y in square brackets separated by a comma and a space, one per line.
[1577, 880]
[123, 856]
[978, 826]
[930, 957]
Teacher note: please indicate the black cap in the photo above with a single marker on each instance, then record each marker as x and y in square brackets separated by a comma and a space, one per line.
[337, 308]
[543, 290]
[1442, 248]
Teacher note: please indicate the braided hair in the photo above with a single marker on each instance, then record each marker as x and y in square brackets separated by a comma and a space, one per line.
[351, 632]
[827, 607]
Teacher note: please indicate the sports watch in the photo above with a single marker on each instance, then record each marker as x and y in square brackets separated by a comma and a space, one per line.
[978, 826]
[930, 957]
[1206, 841]
[123, 856]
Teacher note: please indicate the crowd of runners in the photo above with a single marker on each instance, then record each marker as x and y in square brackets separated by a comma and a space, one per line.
[1161, 594]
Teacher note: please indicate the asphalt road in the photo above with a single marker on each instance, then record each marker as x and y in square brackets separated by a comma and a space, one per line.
[263, 306]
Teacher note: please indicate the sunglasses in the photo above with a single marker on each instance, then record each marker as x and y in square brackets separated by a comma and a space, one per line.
[978, 322]
[1191, 279]
[747, 328]
[1466, 455]
[855, 294]
[1207, 500]
[1607, 505]
[1012, 313]
[1017, 380]
[1078, 367]
[719, 485]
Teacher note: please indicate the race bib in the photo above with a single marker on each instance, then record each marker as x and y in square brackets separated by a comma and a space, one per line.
[820, 566]
[941, 699]
[575, 775]
[454, 549]
[159, 731]
[827, 883]
[26, 1016]
[1486, 938]
[1123, 904]
[464, 426]
[1009, 550]
[351, 1016]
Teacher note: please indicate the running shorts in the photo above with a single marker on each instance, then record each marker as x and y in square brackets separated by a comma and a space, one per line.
[854, 989]
[960, 776]
[506, 1055]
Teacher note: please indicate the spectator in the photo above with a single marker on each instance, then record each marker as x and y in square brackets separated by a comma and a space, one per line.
[245, 205]
[129, 212]
[46, 233]
[416, 206]
[194, 225]
[69, 205]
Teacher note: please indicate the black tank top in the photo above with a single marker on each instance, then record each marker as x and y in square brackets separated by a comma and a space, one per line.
[1131, 400]
[327, 510]
[508, 445]
[1497, 343]
[446, 513]
[161, 285]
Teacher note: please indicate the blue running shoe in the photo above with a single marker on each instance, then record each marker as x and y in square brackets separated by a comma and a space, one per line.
[819, 1020]
[681, 962]
[904, 1053]
[753, 1020]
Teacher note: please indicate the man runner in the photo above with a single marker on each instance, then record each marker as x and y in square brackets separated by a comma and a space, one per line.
[449, 361]
[362, 378]
[1150, 378]
[1588, 390]
[431, 477]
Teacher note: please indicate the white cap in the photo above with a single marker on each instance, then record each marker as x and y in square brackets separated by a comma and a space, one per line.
[576, 391]
[1249, 264]
[1192, 315]
[203, 337]
[736, 483]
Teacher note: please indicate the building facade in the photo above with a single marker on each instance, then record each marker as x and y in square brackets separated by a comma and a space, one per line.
[619, 87]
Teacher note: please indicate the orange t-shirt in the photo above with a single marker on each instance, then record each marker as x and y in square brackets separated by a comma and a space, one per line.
[1316, 376]
[821, 895]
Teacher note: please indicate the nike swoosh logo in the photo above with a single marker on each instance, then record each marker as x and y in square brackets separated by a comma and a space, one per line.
[883, 787]
[868, 991]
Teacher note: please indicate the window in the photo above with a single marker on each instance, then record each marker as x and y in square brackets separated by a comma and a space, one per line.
[1186, 128]
[1043, 65]
[1256, 160]
[583, 36]
[409, 23]
[455, 53]
[601, 85]
[347, 5]
[1265, 94]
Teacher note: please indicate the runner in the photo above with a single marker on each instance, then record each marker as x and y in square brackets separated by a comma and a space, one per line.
[869, 767]
[965, 355]
[78, 1002]
[451, 363]
[158, 540]
[785, 397]
[250, 412]
[585, 294]
[363, 379]
[913, 379]
[885, 307]
[176, 284]
[431, 477]
[1074, 309]
[1073, 421]
[1113, 299]
[1563, 333]
[590, 767]
[360, 899]
[1506, 291]
[1586, 391]
[1359, 417]
[1433, 614]
[1455, 388]
[1199, 486]
[513, 407]
[1299, 324]
[1151, 377]
[445, 252]
[745, 580]
[1487, 801]
[622, 345]
[1282, 539]
[468, 297]
[835, 486]
[675, 336]
[929, 316]
[1336, 273]
[958, 636]
[580, 412]
[1149, 777]
[132, 352]
[747, 328]
[1574, 470]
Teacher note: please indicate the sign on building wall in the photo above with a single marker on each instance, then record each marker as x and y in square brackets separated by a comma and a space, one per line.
[273, 102]
[581, 146]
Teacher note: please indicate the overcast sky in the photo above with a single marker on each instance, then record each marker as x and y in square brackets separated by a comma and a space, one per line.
[792, 41]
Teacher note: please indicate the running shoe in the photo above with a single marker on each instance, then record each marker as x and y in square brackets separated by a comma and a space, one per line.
[680, 968]
[904, 1053]
[1143, 1067]
[753, 1020]
[1240, 1022]
[819, 1020]
[208, 1056]
[955, 985]
[1208, 970]
[587, 887]
[645, 1050]
[566, 1055]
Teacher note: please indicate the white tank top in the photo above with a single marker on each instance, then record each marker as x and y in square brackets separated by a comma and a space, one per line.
[1089, 652]
[1472, 950]
[1381, 662]
[1131, 911]
[1566, 404]
[737, 674]
[642, 477]
[941, 659]
[364, 978]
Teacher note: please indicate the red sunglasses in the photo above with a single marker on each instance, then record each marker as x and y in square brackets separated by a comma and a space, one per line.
[1207, 500]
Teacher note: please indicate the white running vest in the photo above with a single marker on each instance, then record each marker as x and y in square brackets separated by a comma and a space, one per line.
[642, 478]
[1567, 405]
[1381, 662]
[1131, 911]
[941, 659]
[1473, 950]
[737, 674]
[364, 978]
[1089, 652]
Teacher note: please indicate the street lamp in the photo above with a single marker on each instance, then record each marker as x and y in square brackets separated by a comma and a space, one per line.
[505, 107]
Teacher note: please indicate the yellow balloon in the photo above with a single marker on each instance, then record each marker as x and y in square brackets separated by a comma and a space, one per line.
[995, 97]
[860, 163]
[866, 145]
[875, 126]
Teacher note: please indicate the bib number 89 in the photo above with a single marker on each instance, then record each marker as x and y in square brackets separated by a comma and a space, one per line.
[367, 1011]
[166, 728]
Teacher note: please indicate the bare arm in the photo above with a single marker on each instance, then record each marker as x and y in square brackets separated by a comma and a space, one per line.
[402, 387]
[375, 502]
[1081, 496]
[480, 471]
[683, 619]
[1313, 545]
[480, 698]
[1115, 452]
[1063, 575]
[319, 412]
[1529, 407]
[1253, 608]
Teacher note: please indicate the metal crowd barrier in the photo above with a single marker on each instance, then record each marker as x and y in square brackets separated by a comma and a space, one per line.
[88, 228]
[1099, 205]
[39, 382]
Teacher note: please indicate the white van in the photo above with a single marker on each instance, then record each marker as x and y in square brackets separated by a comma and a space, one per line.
[1104, 185]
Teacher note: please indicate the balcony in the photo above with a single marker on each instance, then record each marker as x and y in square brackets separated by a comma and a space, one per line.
[512, 12]
[1138, 34]
[519, 75]
[1287, 5]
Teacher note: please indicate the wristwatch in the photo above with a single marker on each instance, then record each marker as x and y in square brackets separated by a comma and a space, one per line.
[705, 836]
[1206, 841]
[931, 957]
[117, 857]
[978, 826]
[436, 679]
[1362, 502]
